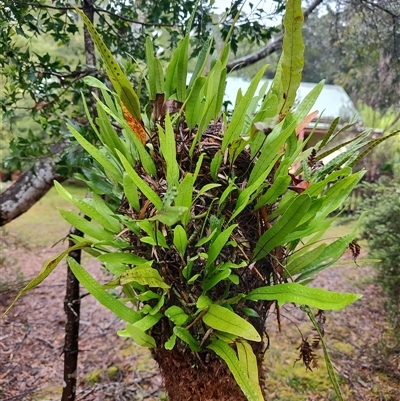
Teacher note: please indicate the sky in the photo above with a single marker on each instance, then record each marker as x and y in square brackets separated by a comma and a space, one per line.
[267, 5]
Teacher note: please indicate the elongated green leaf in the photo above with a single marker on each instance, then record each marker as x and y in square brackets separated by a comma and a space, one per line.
[303, 295]
[120, 82]
[131, 135]
[48, 267]
[268, 111]
[329, 366]
[371, 145]
[330, 132]
[95, 83]
[292, 59]
[106, 299]
[122, 257]
[170, 215]
[182, 66]
[176, 73]
[150, 61]
[277, 189]
[107, 132]
[212, 85]
[92, 209]
[354, 144]
[194, 104]
[308, 229]
[274, 142]
[338, 192]
[218, 244]
[239, 115]
[220, 93]
[168, 149]
[316, 188]
[216, 164]
[86, 226]
[131, 192]
[206, 188]
[184, 197]
[224, 351]
[222, 319]
[140, 183]
[277, 234]
[159, 76]
[145, 276]
[170, 344]
[203, 302]
[212, 280]
[201, 60]
[109, 167]
[249, 362]
[156, 309]
[180, 239]
[307, 103]
[244, 196]
[177, 315]
[297, 262]
[148, 321]
[185, 336]
[104, 208]
[139, 336]
[328, 257]
[156, 237]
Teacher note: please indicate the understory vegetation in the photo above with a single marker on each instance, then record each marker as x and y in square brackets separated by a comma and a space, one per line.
[381, 228]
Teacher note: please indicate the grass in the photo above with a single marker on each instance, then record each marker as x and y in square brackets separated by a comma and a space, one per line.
[42, 225]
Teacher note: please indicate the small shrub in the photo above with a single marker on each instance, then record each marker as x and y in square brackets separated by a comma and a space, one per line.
[381, 227]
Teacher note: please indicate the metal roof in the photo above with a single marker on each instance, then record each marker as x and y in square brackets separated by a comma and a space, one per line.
[332, 102]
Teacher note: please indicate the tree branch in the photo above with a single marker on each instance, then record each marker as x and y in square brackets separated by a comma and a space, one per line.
[97, 10]
[271, 47]
[30, 186]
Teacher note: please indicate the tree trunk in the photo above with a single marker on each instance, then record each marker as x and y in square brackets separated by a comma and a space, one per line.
[72, 302]
[72, 308]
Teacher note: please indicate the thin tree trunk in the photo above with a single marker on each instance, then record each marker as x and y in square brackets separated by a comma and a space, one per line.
[72, 306]
[72, 300]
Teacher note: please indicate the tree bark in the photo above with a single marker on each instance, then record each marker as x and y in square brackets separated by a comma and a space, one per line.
[31, 186]
[271, 47]
[72, 308]
[72, 300]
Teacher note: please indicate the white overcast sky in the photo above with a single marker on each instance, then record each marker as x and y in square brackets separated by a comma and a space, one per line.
[267, 5]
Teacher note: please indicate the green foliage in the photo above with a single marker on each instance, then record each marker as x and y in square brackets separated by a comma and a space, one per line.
[200, 238]
[381, 227]
[359, 45]
[329, 366]
[44, 61]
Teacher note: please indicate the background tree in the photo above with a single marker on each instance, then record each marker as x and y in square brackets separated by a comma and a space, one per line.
[356, 44]
[41, 89]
